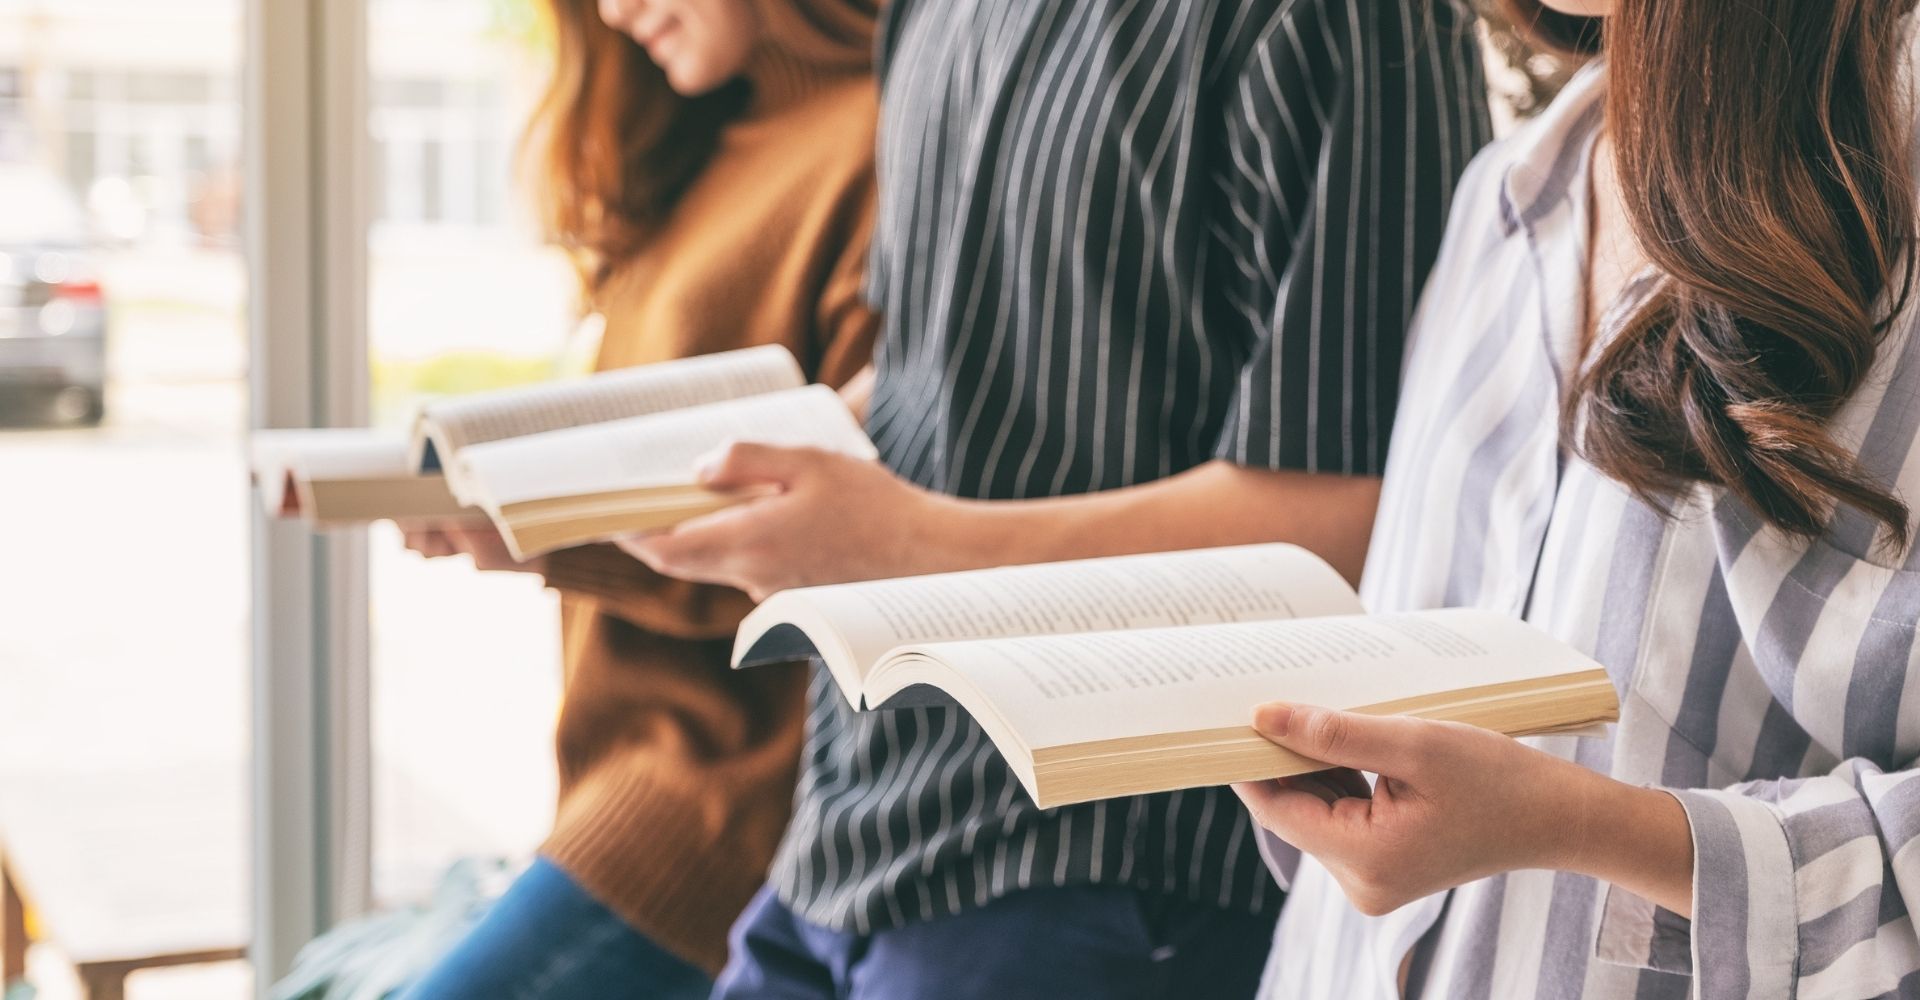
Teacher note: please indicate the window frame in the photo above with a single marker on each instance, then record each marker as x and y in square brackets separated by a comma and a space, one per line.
[306, 164]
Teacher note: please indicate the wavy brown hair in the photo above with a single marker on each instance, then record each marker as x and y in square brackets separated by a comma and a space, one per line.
[1763, 154]
[611, 146]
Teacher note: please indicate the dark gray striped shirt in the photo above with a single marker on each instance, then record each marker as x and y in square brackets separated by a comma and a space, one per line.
[1117, 239]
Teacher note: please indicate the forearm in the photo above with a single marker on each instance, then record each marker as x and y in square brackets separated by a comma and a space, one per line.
[1213, 504]
[838, 518]
[1633, 837]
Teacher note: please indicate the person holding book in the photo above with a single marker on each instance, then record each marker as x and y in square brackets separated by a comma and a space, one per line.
[1144, 270]
[1661, 403]
[708, 164]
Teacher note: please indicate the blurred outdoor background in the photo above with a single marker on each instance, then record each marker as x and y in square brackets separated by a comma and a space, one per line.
[124, 590]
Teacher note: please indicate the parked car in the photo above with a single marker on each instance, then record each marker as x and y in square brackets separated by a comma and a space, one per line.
[53, 317]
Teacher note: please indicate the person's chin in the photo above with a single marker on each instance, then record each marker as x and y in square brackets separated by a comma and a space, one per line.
[1582, 8]
[691, 81]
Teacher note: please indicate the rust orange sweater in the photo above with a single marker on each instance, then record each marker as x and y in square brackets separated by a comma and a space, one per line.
[676, 773]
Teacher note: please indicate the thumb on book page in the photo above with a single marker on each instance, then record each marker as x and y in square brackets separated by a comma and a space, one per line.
[745, 463]
[1386, 745]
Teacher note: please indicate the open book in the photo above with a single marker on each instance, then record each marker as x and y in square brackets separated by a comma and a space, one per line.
[1136, 674]
[566, 462]
[445, 426]
[568, 487]
[345, 476]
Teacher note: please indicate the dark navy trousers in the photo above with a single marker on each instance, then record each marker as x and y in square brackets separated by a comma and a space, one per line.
[1107, 942]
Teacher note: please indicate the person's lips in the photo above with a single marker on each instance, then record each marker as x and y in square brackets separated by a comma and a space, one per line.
[654, 32]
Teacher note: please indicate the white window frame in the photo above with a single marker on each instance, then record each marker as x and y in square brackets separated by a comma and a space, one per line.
[306, 156]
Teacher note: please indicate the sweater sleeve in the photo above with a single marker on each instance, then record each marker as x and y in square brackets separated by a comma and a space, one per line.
[625, 588]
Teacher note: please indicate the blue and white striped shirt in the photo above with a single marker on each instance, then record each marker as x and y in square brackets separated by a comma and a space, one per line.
[1762, 677]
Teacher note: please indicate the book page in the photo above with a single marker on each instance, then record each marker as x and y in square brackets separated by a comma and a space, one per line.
[278, 456]
[1232, 584]
[612, 395]
[331, 451]
[268, 452]
[377, 456]
[652, 451]
[1063, 690]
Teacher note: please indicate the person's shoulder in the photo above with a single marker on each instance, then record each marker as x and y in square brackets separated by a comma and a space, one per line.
[853, 102]
[1274, 24]
[1507, 185]
[1539, 160]
[1480, 193]
[819, 151]
[841, 120]
[827, 137]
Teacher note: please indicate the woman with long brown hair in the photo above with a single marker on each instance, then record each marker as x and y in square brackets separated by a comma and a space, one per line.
[1661, 401]
[708, 164]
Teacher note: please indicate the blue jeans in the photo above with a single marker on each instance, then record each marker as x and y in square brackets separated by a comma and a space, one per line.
[546, 939]
[1110, 942]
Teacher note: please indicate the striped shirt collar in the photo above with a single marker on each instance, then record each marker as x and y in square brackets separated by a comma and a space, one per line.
[1545, 158]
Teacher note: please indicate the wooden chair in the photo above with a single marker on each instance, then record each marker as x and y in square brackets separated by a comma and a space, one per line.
[125, 870]
[13, 930]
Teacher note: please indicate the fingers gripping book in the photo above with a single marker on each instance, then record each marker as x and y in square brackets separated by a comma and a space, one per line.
[560, 463]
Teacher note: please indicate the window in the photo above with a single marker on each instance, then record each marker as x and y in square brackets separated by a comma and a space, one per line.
[462, 296]
[125, 580]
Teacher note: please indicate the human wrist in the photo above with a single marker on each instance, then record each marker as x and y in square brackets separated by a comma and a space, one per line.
[1591, 824]
[1630, 836]
[1565, 819]
[949, 533]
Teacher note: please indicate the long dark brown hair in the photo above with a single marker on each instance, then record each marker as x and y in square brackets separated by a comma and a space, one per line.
[1763, 156]
[611, 146]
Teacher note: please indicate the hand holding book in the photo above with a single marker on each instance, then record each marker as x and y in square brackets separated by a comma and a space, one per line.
[1455, 803]
[825, 517]
[559, 463]
[479, 541]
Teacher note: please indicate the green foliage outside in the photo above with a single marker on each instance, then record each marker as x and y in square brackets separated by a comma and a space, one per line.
[521, 22]
[401, 386]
